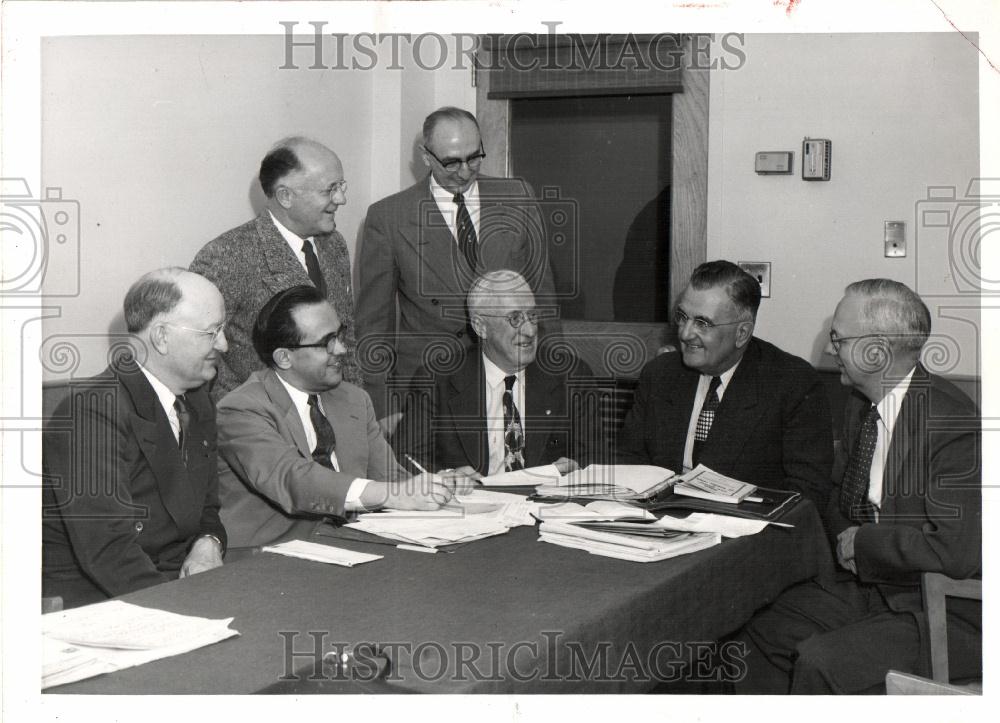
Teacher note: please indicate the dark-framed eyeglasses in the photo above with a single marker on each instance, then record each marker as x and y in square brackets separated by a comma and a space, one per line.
[516, 318]
[328, 342]
[837, 341]
[215, 332]
[701, 323]
[453, 164]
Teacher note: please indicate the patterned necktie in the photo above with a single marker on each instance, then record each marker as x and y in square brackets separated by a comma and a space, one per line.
[705, 419]
[853, 501]
[326, 440]
[312, 266]
[183, 422]
[513, 436]
[466, 232]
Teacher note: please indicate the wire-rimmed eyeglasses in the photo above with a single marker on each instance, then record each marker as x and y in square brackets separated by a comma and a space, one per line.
[516, 318]
[700, 322]
[214, 332]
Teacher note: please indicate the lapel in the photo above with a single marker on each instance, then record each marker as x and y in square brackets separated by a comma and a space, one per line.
[426, 233]
[283, 268]
[352, 452]
[543, 399]
[286, 410]
[465, 404]
[914, 408]
[158, 445]
[735, 418]
[677, 392]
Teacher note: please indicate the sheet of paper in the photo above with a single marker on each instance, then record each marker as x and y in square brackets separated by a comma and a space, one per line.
[625, 547]
[546, 474]
[706, 522]
[430, 531]
[638, 478]
[321, 553]
[597, 510]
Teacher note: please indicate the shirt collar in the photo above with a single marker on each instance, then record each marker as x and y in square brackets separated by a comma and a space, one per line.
[443, 195]
[495, 375]
[163, 393]
[299, 398]
[293, 239]
[725, 377]
[888, 407]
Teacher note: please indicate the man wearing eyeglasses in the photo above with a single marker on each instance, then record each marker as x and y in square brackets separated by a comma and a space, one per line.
[906, 500]
[422, 248]
[501, 408]
[729, 400]
[131, 493]
[293, 241]
[299, 443]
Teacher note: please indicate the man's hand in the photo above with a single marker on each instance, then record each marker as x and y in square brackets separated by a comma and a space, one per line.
[565, 465]
[205, 554]
[462, 480]
[388, 423]
[845, 549]
[423, 492]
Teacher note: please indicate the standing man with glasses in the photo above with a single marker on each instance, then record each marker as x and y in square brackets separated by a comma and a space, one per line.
[131, 486]
[422, 248]
[293, 241]
[729, 400]
[299, 443]
[501, 409]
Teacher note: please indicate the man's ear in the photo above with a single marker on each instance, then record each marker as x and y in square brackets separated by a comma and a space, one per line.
[744, 332]
[157, 337]
[283, 195]
[425, 156]
[478, 326]
[282, 358]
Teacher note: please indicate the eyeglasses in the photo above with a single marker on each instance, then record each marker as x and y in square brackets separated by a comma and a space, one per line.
[214, 332]
[516, 318]
[330, 191]
[700, 323]
[453, 164]
[837, 341]
[327, 342]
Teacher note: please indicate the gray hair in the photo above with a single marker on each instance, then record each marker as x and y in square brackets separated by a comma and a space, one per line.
[487, 287]
[153, 294]
[892, 308]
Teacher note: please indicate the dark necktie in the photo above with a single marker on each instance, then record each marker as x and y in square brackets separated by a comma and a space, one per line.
[466, 232]
[853, 501]
[312, 266]
[326, 440]
[513, 436]
[705, 419]
[184, 422]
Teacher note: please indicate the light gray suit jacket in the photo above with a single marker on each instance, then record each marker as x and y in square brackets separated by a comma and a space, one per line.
[270, 487]
[253, 262]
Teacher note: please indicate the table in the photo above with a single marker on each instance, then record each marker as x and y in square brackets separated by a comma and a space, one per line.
[506, 614]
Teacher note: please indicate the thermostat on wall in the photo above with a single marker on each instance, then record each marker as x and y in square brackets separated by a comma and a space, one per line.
[773, 162]
[816, 156]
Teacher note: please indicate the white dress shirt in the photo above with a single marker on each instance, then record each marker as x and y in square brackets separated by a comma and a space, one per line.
[167, 399]
[449, 209]
[699, 400]
[295, 242]
[494, 410]
[300, 400]
[888, 414]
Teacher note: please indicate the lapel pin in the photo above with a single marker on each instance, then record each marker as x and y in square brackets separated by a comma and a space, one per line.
[548, 411]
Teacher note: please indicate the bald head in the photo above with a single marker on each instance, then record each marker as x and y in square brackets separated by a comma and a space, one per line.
[304, 184]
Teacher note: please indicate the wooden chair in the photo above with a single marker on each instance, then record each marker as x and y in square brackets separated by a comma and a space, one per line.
[936, 589]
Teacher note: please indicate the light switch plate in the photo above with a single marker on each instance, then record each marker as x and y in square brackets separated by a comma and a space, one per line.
[895, 239]
[768, 162]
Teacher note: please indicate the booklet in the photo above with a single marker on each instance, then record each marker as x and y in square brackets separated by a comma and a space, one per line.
[708, 484]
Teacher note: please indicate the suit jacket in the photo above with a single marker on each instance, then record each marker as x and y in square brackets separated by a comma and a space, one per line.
[253, 262]
[121, 510]
[409, 256]
[272, 489]
[930, 518]
[446, 426]
[772, 428]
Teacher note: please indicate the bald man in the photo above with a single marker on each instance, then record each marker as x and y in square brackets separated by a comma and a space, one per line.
[293, 241]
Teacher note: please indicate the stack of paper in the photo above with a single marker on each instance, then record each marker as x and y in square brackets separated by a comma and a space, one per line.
[698, 522]
[321, 553]
[708, 484]
[109, 636]
[627, 547]
[610, 481]
[597, 510]
[546, 474]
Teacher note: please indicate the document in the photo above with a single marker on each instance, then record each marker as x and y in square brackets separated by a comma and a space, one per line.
[596, 510]
[695, 522]
[610, 481]
[708, 484]
[321, 553]
[626, 547]
[546, 474]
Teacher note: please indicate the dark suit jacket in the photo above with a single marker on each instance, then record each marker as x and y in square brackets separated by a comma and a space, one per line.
[120, 509]
[271, 488]
[772, 428]
[446, 426]
[253, 262]
[408, 256]
[930, 518]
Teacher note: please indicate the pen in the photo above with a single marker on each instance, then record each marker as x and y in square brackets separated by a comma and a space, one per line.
[416, 464]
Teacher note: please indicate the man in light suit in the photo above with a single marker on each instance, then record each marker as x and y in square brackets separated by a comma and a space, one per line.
[293, 241]
[299, 443]
[501, 409]
[906, 501]
[422, 248]
[729, 400]
[131, 489]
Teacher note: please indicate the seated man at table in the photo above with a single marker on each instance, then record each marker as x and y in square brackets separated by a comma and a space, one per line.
[907, 501]
[298, 442]
[471, 419]
[131, 492]
[733, 402]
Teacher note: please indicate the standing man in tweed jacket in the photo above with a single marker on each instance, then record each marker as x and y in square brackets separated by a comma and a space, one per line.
[293, 241]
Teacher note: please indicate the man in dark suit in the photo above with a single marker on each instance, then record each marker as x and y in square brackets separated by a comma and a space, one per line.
[501, 409]
[423, 247]
[301, 444]
[729, 400]
[906, 501]
[293, 241]
[131, 486]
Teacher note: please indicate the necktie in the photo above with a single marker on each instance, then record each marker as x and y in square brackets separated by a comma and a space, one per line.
[513, 437]
[705, 419]
[326, 440]
[466, 232]
[853, 501]
[312, 266]
[184, 422]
